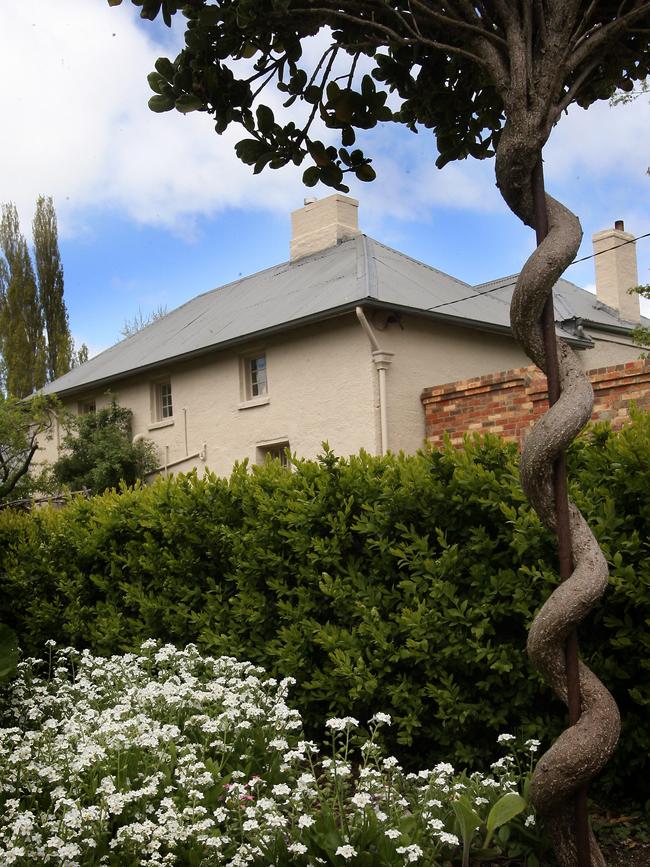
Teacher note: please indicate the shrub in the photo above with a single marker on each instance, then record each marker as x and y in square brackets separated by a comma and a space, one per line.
[406, 583]
[168, 757]
[100, 453]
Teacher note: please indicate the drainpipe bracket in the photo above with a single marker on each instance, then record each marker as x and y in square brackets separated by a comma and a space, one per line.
[382, 359]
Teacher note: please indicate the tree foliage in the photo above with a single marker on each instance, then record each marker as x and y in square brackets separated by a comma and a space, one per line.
[22, 425]
[465, 70]
[140, 321]
[21, 321]
[49, 271]
[100, 453]
[35, 341]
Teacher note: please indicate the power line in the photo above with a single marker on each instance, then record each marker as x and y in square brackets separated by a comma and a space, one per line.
[514, 282]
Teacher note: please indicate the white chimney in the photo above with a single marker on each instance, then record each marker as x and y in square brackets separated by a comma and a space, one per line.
[323, 223]
[616, 270]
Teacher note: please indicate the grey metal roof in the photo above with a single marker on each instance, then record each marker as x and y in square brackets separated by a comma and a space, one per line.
[320, 286]
[570, 302]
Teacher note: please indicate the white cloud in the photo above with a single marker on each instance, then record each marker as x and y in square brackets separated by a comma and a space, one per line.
[77, 127]
[81, 131]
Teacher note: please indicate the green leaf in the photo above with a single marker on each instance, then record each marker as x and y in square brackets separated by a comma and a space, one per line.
[265, 119]
[311, 176]
[165, 67]
[505, 809]
[8, 652]
[188, 102]
[156, 82]
[160, 103]
[366, 173]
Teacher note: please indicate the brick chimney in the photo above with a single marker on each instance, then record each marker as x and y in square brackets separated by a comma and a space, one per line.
[616, 271]
[323, 223]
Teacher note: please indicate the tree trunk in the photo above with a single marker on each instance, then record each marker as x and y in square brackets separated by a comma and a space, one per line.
[583, 749]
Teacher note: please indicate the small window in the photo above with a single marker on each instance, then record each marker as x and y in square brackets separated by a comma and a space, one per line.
[257, 384]
[86, 407]
[163, 407]
[275, 451]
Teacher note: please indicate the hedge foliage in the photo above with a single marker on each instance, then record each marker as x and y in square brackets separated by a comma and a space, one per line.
[400, 584]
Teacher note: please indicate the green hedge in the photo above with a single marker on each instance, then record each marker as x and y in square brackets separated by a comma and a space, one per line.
[401, 584]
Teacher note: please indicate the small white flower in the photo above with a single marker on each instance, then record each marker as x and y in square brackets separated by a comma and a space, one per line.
[532, 745]
[530, 820]
[393, 833]
[506, 739]
[305, 821]
[297, 848]
[381, 718]
[413, 852]
[450, 839]
[361, 799]
[346, 852]
[339, 724]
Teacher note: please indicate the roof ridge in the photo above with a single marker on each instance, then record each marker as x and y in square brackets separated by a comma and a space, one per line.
[419, 262]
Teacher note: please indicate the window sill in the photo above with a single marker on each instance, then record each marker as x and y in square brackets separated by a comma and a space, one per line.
[166, 422]
[255, 401]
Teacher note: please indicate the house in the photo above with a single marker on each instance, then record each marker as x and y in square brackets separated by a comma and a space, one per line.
[336, 344]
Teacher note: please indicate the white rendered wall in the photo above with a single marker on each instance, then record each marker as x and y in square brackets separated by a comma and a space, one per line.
[429, 353]
[320, 387]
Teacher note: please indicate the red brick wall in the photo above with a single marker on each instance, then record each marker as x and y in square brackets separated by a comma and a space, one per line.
[509, 402]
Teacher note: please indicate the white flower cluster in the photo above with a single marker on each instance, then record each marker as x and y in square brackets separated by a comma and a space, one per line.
[167, 757]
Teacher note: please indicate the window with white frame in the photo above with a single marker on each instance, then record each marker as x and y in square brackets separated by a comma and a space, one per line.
[163, 407]
[275, 451]
[256, 378]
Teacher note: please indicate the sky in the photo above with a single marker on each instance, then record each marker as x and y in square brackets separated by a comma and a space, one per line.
[154, 209]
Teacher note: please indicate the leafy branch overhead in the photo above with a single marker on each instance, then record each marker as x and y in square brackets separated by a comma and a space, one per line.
[458, 68]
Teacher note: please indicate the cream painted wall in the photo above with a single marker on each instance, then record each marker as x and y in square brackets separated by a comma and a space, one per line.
[320, 387]
[609, 349]
[429, 353]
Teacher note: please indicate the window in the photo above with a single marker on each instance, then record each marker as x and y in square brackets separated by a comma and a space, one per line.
[163, 407]
[85, 407]
[275, 451]
[257, 382]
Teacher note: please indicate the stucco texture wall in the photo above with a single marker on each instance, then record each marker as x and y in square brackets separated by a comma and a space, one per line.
[429, 352]
[320, 387]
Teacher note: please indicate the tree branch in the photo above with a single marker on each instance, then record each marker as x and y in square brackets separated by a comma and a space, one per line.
[393, 34]
[462, 25]
[597, 39]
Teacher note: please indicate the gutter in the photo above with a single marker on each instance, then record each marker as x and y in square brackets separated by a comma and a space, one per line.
[368, 302]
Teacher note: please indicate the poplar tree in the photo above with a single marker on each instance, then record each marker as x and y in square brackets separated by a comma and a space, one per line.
[21, 320]
[50, 288]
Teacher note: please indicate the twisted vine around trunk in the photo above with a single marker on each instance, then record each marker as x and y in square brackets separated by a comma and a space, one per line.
[583, 749]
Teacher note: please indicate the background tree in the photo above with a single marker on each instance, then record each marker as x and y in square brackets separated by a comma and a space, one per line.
[49, 272]
[81, 355]
[21, 320]
[139, 321]
[22, 425]
[35, 340]
[100, 452]
[491, 78]
[641, 334]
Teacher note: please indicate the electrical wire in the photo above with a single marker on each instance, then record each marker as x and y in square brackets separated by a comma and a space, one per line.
[514, 282]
